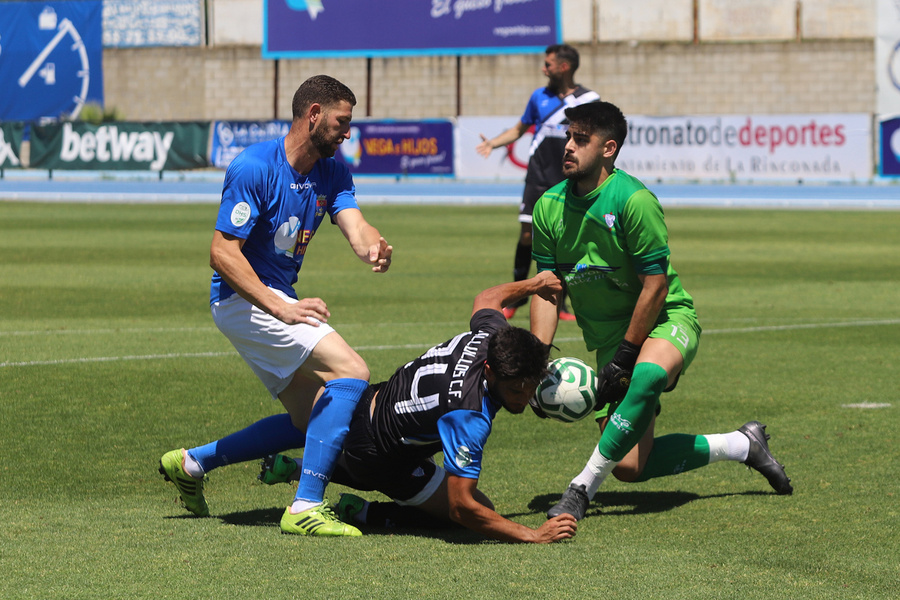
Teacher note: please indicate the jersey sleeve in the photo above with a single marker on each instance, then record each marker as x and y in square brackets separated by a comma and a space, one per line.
[242, 196]
[488, 319]
[464, 434]
[343, 189]
[543, 245]
[532, 115]
[646, 233]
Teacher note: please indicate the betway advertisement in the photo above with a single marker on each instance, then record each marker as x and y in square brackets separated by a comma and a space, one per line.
[151, 146]
[829, 147]
[833, 147]
[11, 135]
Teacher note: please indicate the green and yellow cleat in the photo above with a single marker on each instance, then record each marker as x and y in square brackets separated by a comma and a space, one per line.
[171, 466]
[318, 520]
[277, 468]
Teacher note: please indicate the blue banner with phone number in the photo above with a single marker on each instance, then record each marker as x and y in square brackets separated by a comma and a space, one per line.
[50, 59]
[317, 28]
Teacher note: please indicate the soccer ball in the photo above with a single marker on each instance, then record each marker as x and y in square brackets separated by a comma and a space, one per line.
[567, 392]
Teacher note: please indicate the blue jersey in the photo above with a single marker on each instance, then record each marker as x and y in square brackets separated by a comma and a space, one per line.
[277, 210]
[546, 111]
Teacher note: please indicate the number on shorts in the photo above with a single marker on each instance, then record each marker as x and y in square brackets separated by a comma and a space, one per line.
[680, 336]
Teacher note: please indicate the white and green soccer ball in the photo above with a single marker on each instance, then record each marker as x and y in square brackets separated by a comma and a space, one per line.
[567, 392]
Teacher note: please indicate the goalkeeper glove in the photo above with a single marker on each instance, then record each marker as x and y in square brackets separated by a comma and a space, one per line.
[536, 408]
[615, 377]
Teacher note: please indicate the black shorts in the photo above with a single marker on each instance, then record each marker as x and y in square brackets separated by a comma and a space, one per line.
[530, 197]
[361, 467]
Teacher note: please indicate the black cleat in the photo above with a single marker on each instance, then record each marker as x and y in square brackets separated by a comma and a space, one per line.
[574, 502]
[761, 459]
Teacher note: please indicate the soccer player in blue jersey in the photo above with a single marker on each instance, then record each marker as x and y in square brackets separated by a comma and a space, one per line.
[275, 196]
[444, 401]
[545, 112]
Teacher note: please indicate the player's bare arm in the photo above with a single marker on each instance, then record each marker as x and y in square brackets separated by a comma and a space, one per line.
[226, 258]
[544, 318]
[545, 285]
[646, 311]
[507, 137]
[365, 240]
[468, 512]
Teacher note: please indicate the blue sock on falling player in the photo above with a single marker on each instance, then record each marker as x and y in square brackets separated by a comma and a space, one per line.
[267, 436]
[328, 426]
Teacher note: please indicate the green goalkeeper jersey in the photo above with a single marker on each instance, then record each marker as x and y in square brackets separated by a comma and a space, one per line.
[599, 244]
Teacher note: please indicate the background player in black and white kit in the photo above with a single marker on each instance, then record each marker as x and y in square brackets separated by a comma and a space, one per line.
[546, 112]
[445, 400]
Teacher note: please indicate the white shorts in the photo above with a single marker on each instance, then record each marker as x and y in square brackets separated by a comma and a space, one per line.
[272, 348]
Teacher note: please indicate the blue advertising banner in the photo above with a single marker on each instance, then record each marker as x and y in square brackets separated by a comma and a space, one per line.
[890, 147]
[374, 147]
[231, 137]
[399, 148]
[50, 59]
[323, 28]
[137, 23]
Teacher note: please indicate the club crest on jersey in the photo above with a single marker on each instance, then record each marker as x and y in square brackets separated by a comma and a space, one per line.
[463, 457]
[610, 220]
[321, 203]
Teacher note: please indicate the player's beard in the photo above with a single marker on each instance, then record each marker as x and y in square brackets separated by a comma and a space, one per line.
[573, 171]
[324, 145]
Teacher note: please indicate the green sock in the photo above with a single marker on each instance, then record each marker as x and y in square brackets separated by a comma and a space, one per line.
[676, 453]
[633, 416]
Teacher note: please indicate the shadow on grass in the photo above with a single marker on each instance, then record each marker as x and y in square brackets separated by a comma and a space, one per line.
[271, 517]
[605, 503]
[632, 503]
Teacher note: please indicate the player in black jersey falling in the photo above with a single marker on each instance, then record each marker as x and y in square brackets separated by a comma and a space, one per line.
[445, 400]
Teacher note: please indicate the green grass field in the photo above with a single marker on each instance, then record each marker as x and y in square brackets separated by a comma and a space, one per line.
[109, 358]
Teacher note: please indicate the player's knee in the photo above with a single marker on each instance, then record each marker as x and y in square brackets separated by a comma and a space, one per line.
[351, 366]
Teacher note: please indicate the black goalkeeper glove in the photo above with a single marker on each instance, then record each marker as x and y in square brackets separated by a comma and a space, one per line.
[536, 408]
[614, 379]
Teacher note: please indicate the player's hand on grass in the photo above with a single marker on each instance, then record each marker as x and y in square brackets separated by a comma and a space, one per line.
[615, 377]
[380, 256]
[558, 528]
[311, 311]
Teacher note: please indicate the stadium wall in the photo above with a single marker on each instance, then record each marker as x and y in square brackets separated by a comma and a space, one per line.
[656, 57]
[651, 78]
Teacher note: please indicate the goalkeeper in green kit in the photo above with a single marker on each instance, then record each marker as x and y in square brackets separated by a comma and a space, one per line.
[604, 234]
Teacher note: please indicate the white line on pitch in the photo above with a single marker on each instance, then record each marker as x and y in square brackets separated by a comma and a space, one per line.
[426, 345]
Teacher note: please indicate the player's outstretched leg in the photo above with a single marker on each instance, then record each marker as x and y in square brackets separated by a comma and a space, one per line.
[319, 520]
[171, 466]
[761, 459]
[574, 502]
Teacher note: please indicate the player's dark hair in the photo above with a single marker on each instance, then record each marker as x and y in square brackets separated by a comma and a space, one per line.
[603, 118]
[565, 53]
[516, 353]
[320, 89]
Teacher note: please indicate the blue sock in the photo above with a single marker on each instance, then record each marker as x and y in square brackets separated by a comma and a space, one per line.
[267, 436]
[328, 426]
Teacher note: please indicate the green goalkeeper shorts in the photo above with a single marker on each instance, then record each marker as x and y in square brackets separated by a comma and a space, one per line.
[682, 331]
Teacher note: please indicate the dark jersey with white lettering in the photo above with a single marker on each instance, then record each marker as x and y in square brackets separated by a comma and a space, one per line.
[439, 401]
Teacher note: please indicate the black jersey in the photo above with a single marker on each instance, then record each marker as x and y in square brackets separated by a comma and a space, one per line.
[439, 401]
